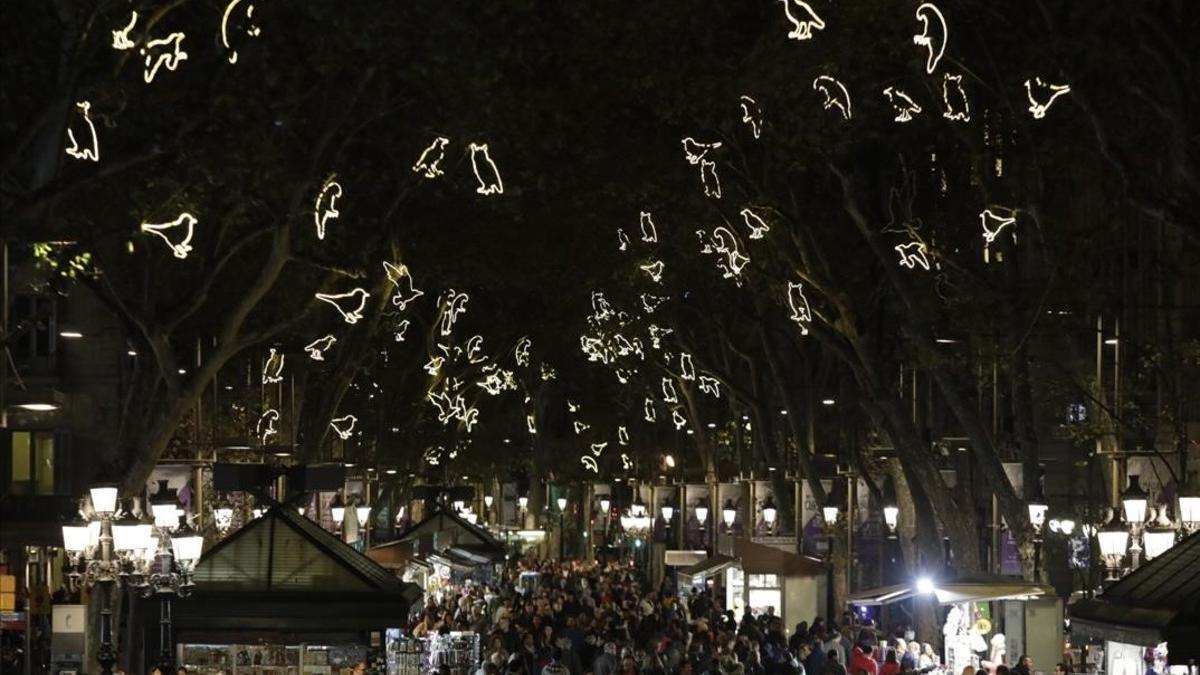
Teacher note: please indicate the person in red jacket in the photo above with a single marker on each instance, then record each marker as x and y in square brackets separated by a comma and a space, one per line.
[891, 666]
[861, 662]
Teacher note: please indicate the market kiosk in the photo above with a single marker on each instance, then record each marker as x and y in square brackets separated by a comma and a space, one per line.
[762, 578]
[282, 596]
[988, 619]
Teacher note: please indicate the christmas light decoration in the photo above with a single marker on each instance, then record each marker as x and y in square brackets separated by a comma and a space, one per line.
[491, 185]
[164, 52]
[657, 334]
[626, 463]
[650, 302]
[429, 163]
[402, 279]
[521, 351]
[709, 179]
[648, 407]
[434, 365]
[120, 37]
[668, 391]
[724, 242]
[913, 254]
[710, 386]
[580, 427]
[905, 107]
[757, 226]
[349, 304]
[678, 419]
[598, 448]
[177, 233]
[400, 330]
[325, 207]
[273, 369]
[589, 463]
[93, 152]
[649, 231]
[317, 348]
[694, 151]
[475, 349]
[343, 426]
[622, 240]
[934, 42]
[266, 425]
[687, 370]
[958, 108]
[530, 424]
[993, 224]
[453, 304]
[835, 94]
[1041, 101]
[804, 19]
[751, 115]
[622, 435]
[251, 29]
[654, 269]
[801, 313]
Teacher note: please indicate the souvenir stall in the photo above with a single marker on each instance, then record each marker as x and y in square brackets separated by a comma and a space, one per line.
[1148, 619]
[282, 596]
[988, 620]
[762, 578]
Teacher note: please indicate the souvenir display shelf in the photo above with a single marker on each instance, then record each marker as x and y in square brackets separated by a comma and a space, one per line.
[269, 659]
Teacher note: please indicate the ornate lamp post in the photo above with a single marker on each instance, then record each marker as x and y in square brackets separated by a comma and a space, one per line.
[770, 513]
[1189, 507]
[1037, 519]
[562, 528]
[729, 515]
[1159, 535]
[891, 517]
[1134, 500]
[1113, 539]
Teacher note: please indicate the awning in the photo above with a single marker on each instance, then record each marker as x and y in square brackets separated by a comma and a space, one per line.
[392, 555]
[763, 559]
[708, 567]
[952, 591]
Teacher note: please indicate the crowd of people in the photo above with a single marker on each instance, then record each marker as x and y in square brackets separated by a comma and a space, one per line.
[603, 619]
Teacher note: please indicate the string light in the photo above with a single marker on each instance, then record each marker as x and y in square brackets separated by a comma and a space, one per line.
[92, 153]
[453, 304]
[657, 334]
[678, 419]
[349, 304]
[960, 109]
[668, 390]
[835, 94]
[622, 435]
[686, 368]
[344, 426]
[251, 30]
[993, 224]
[601, 309]
[170, 59]
[801, 313]
[913, 254]
[266, 425]
[474, 347]
[724, 242]
[492, 185]
[177, 233]
[446, 407]
[934, 43]
[120, 37]
[654, 269]
[434, 365]
[626, 463]
[804, 19]
[598, 448]
[649, 231]
[402, 279]
[589, 463]
[757, 226]
[1039, 107]
[429, 163]
[521, 351]
[695, 151]
[273, 369]
[648, 407]
[548, 373]
[622, 240]
[317, 348]
[650, 302]
[530, 424]
[710, 386]
[751, 115]
[400, 330]
[580, 427]
[905, 107]
[709, 179]
[325, 208]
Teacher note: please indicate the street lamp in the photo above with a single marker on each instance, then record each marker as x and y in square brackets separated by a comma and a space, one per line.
[667, 512]
[1135, 500]
[1159, 536]
[770, 513]
[562, 528]
[337, 509]
[1037, 519]
[701, 513]
[1189, 507]
[891, 517]
[1113, 539]
[729, 514]
[830, 511]
[638, 508]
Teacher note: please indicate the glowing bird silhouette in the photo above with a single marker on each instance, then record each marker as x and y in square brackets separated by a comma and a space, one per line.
[162, 53]
[993, 224]
[905, 107]
[317, 348]
[349, 304]
[757, 226]
[801, 313]
[654, 269]
[687, 370]
[598, 448]
[709, 179]
[177, 233]
[622, 435]
[835, 94]
[485, 170]
[92, 152]
[429, 163]
[1041, 95]
[251, 29]
[678, 419]
[710, 386]
[120, 37]
[622, 240]
[648, 409]
[266, 425]
[402, 279]
[668, 390]
[913, 254]
[958, 107]
[589, 463]
[626, 463]
[694, 151]
[273, 369]
[343, 426]
[400, 329]
[453, 304]
[521, 351]
[651, 302]
[751, 115]
[325, 208]
[804, 19]
[933, 36]
[649, 231]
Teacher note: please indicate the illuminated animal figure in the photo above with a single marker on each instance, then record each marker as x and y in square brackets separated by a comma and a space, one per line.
[248, 27]
[835, 94]
[177, 233]
[801, 312]
[803, 18]
[993, 224]
[933, 34]
[709, 179]
[1041, 95]
[350, 304]
[958, 107]
[649, 231]
[273, 369]
[695, 151]
[654, 269]
[402, 279]
[429, 163]
[485, 170]
[325, 208]
[266, 425]
[165, 52]
[905, 107]
[93, 151]
[751, 115]
[317, 348]
[343, 426]
[913, 254]
[757, 226]
[120, 37]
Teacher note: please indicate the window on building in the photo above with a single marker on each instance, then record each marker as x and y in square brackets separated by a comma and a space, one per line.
[31, 463]
[33, 320]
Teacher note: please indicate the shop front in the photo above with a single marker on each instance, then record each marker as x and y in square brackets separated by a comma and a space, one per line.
[764, 580]
[1147, 620]
[282, 596]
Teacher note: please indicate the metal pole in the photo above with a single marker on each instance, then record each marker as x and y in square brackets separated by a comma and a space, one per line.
[562, 536]
[165, 647]
[107, 653]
